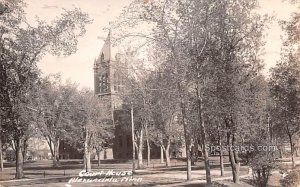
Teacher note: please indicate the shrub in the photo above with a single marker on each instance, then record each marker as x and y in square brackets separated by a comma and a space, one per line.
[292, 179]
[10, 155]
[262, 164]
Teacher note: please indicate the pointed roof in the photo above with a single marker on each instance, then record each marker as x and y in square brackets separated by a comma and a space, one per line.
[110, 52]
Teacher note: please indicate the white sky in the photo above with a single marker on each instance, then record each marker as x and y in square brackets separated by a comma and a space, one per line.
[79, 67]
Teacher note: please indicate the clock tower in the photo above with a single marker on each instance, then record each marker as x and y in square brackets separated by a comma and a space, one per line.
[109, 73]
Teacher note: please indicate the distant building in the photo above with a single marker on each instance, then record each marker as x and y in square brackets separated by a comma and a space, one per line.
[110, 70]
[109, 75]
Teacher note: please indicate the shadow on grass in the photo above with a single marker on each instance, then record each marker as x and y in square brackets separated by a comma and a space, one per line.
[107, 161]
[54, 168]
[46, 174]
[251, 182]
[187, 185]
[9, 164]
[183, 168]
[113, 161]
[195, 185]
[177, 183]
[248, 181]
[77, 164]
[13, 164]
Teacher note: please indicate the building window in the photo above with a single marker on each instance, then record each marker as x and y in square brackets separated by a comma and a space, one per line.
[117, 82]
[104, 84]
[115, 77]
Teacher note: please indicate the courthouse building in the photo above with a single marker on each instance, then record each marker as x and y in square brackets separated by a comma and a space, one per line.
[110, 72]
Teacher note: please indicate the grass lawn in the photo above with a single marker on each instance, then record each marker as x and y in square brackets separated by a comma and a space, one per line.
[159, 174]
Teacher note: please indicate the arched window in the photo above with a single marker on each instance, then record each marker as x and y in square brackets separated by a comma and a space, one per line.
[115, 81]
[104, 84]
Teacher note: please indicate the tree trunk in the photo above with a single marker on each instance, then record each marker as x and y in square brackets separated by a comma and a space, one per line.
[105, 154]
[87, 161]
[207, 168]
[235, 165]
[203, 138]
[292, 150]
[98, 155]
[87, 153]
[186, 133]
[55, 153]
[1, 153]
[140, 151]
[221, 162]
[50, 146]
[167, 152]
[221, 153]
[161, 154]
[13, 145]
[19, 158]
[236, 173]
[189, 165]
[293, 160]
[280, 153]
[187, 144]
[133, 139]
[148, 150]
[24, 151]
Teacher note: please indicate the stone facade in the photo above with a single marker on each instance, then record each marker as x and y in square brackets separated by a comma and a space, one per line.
[110, 71]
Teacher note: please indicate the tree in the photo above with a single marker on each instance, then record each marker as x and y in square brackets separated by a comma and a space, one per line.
[54, 107]
[212, 46]
[166, 128]
[222, 61]
[101, 142]
[292, 28]
[21, 46]
[258, 132]
[88, 122]
[284, 88]
[229, 62]
[1, 153]
[284, 85]
[164, 35]
[135, 99]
